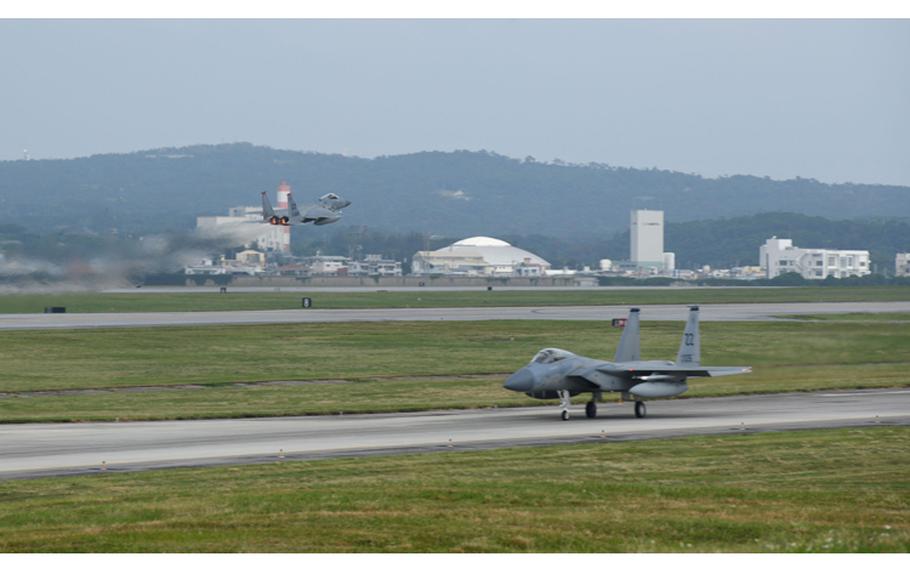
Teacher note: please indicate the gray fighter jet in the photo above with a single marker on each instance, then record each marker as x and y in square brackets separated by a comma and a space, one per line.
[327, 210]
[555, 373]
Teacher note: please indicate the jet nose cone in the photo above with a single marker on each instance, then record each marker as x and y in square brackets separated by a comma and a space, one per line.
[522, 380]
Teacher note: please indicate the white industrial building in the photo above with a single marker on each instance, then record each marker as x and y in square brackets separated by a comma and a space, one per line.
[902, 264]
[646, 238]
[479, 256]
[779, 256]
[646, 242]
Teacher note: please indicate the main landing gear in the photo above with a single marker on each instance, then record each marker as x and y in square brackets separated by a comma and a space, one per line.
[640, 409]
[591, 409]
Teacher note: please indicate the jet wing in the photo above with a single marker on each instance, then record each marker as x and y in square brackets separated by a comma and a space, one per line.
[577, 381]
[593, 377]
[663, 370]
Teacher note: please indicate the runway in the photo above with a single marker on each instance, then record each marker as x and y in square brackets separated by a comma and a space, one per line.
[63, 449]
[421, 289]
[662, 312]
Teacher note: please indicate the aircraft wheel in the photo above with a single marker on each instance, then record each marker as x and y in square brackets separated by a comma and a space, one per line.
[565, 414]
[640, 409]
[591, 409]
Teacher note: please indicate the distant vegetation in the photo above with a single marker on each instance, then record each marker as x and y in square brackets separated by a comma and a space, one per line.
[67, 254]
[446, 193]
[716, 242]
[67, 212]
[735, 241]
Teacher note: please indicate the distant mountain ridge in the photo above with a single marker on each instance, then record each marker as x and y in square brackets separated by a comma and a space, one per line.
[461, 192]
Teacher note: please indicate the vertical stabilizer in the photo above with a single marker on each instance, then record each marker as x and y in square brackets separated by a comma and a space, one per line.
[690, 345]
[267, 211]
[629, 348]
[293, 211]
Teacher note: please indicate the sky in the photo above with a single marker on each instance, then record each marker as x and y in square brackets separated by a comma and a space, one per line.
[782, 98]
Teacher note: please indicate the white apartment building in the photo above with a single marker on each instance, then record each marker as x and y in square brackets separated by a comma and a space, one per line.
[779, 256]
[646, 238]
[902, 264]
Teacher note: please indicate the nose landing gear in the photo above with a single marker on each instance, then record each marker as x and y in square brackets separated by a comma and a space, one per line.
[565, 398]
[640, 409]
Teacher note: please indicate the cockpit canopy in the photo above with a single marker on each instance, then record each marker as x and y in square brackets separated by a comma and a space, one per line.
[329, 196]
[550, 355]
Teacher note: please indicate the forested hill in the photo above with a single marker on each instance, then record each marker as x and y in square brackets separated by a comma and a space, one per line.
[435, 192]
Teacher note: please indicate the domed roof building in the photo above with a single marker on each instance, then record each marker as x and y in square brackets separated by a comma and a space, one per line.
[479, 256]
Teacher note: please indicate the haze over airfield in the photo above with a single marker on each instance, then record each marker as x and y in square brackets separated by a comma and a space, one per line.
[822, 99]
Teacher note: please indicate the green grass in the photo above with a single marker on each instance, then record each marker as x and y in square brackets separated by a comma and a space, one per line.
[841, 490]
[446, 365]
[326, 397]
[855, 317]
[178, 302]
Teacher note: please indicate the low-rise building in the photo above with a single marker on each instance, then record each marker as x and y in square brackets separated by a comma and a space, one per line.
[779, 256]
[902, 264]
[323, 265]
[747, 272]
[251, 257]
[248, 264]
[374, 265]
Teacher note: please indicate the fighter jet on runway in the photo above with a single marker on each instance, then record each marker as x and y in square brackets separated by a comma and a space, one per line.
[555, 373]
[328, 210]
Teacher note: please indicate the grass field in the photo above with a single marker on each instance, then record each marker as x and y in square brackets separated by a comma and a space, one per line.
[855, 317]
[177, 302]
[274, 370]
[821, 491]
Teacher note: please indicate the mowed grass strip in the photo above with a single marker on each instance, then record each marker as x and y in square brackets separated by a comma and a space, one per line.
[472, 359]
[853, 316]
[196, 302]
[812, 491]
[327, 397]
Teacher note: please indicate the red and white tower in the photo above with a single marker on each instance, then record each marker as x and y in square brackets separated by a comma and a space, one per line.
[283, 190]
[283, 234]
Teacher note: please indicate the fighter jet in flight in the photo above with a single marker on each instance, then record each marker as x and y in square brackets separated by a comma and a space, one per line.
[555, 373]
[327, 210]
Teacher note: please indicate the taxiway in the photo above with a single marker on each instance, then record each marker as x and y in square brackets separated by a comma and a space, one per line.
[662, 312]
[62, 449]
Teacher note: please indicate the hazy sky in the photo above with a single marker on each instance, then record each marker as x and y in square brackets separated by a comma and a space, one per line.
[828, 99]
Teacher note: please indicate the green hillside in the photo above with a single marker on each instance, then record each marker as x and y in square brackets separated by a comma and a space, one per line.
[444, 193]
